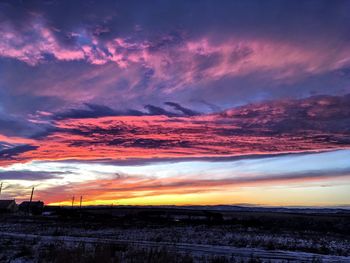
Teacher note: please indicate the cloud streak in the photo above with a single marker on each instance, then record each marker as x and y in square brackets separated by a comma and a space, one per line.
[103, 182]
[28, 175]
[128, 187]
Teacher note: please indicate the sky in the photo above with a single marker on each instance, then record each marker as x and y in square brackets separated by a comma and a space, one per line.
[176, 102]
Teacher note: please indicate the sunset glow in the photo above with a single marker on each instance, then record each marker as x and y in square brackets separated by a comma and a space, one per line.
[125, 104]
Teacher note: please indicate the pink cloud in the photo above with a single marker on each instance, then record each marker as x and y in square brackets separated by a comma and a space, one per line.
[15, 140]
[32, 46]
[179, 63]
[288, 126]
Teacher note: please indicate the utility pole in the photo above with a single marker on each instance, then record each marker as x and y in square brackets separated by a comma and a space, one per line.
[30, 200]
[81, 201]
[31, 196]
[72, 201]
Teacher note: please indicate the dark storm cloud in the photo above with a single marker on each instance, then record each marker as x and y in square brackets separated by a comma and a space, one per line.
[331, 114]
[185, 111]
[95, 111]
[155, 110]
[10, 126]
[18, 126]
[11, 153]
[92, 111]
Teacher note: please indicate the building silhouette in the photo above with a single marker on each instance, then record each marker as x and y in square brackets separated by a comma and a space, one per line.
[8, 206]
[32, 207]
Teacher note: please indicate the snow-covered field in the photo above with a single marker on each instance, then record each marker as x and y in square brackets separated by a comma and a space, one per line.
[42, 239]
[119, 250]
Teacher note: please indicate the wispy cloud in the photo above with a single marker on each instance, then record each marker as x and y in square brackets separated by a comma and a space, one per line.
[174, 60]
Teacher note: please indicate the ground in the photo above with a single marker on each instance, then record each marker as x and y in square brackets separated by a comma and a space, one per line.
[129, 234]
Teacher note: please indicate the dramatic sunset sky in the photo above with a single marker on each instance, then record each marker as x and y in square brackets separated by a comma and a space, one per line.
[176, 102]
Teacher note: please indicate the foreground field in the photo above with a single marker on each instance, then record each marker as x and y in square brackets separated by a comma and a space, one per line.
[173, 235]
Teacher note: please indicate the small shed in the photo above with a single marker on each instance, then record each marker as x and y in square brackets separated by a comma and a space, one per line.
[8, 206]
[34, 207]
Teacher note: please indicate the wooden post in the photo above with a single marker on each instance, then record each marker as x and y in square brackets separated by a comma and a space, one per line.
[30, 200]
[72, 201]
[31, 195]
[81, 200]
